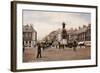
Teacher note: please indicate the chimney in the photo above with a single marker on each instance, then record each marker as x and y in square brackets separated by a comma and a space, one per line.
[79, 27]
[89, 25]
[84, 26]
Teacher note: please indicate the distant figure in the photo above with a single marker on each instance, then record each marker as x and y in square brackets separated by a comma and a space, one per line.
[23, 49]
[59, 44]
[74, 45]
[39, 50]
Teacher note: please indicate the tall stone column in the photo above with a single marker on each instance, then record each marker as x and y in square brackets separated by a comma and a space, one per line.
[64, 34]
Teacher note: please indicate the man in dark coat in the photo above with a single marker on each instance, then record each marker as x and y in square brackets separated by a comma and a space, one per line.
[74, 45]
[39, 50]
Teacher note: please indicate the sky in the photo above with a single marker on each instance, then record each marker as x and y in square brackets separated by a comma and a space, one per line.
[45, 22]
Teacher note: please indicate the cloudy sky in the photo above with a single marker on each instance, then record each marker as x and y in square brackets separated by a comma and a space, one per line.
[46, 21]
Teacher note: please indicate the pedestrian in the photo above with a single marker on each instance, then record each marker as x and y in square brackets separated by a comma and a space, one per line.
[74, 45]
[39, 50]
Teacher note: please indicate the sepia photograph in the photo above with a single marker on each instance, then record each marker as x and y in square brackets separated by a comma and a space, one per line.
[56, 36]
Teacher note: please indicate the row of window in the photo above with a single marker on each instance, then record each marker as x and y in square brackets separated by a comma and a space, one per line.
[27, 35]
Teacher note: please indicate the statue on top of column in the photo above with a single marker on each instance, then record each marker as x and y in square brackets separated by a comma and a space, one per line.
[64, 32]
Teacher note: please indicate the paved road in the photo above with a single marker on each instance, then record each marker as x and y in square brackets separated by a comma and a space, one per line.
[54, 54]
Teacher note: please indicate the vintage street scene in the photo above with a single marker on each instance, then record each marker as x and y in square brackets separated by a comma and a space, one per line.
[56, 36]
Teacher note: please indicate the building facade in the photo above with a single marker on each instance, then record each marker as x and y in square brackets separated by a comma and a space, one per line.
[82, 34]
[29, 36]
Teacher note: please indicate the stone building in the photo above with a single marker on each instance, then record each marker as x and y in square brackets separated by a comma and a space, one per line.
[29, 36]
[80, 34]
[52, 36]
[84, 34]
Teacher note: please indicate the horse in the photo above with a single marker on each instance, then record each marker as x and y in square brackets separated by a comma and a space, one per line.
[81, 44]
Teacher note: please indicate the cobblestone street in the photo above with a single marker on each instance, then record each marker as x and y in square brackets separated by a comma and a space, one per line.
[54, 54]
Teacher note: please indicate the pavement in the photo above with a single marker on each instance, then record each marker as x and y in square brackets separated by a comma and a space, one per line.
[56, 54]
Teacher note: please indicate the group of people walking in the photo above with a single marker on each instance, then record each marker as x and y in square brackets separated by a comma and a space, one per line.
[40, 47]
